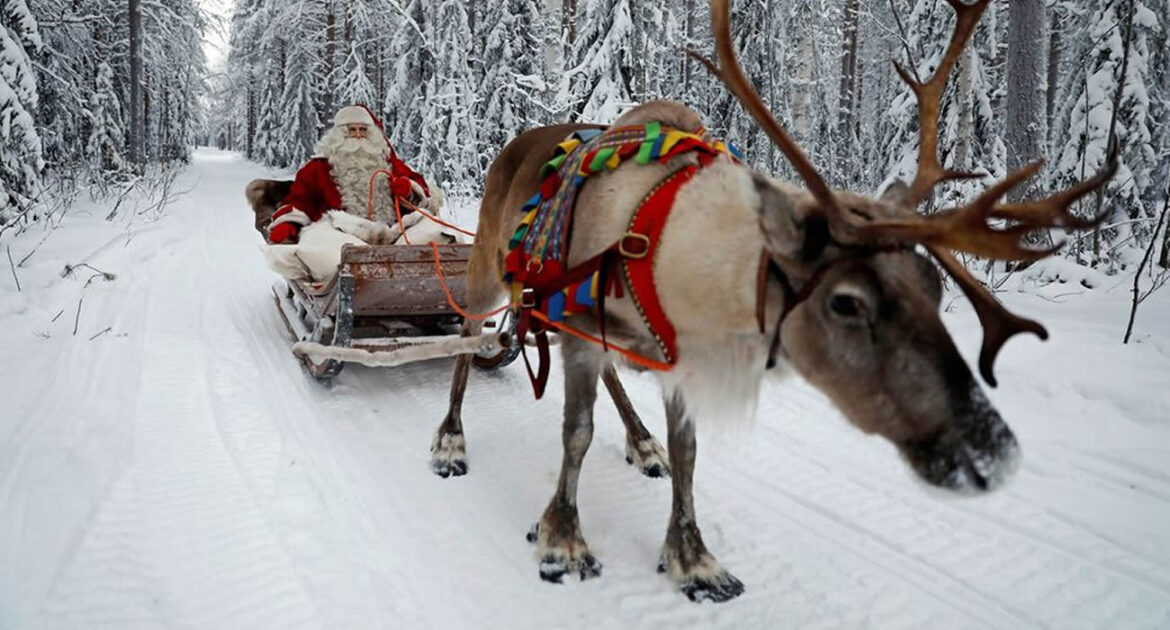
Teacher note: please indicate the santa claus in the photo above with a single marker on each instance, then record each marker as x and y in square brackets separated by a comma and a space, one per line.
[338, 178]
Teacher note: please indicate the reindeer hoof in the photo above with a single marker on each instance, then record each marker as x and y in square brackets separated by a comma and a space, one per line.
[456, 468]
[533, 534]
[649, 457]
[717, 588]
[554, 566]
[449, 455]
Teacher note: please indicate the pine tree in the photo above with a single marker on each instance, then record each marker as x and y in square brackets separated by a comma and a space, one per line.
[1093, 114]
[107, 137]
[411, 67]
[355, 86]
[299, 121]
[968, 129]
[598, 78]
[513, 86]
[21, 161]
[269, 146]
[449, 133]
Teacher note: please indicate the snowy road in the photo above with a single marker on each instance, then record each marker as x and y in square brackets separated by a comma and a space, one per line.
[179, 471]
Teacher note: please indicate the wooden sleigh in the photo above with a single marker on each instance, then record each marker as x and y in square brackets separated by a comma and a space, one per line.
[386, 306]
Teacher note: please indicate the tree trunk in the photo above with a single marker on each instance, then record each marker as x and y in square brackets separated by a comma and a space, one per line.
[1026, 92]
[1054, 45]
[1165, 259]
[687, 62]
[137, 124]
[568, 25]
[249, 145]
[847, 102]
[801, 62]
[966, 135]
[330, 62]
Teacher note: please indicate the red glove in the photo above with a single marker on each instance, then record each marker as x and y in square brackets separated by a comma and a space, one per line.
[401, 187]
[284, 233]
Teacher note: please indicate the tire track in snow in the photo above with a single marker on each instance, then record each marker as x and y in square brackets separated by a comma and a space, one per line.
[985, 567]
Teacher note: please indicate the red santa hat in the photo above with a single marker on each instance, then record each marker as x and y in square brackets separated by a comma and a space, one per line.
[356, 115]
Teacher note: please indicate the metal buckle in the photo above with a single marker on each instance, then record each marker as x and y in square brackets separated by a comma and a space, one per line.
[641, 238]
[528, 298]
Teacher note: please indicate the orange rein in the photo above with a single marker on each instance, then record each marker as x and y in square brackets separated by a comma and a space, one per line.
[630, 355]
[434, 248]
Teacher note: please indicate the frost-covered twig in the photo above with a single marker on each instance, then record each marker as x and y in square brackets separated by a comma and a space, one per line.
[108, 329]
[1159, 281]
[109, 277]
[13, 268]
[77, 317]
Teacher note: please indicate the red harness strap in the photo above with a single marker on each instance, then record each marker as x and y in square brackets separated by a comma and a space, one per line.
[637, 250]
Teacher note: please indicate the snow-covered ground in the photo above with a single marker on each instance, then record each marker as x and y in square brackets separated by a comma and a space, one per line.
[180, 471]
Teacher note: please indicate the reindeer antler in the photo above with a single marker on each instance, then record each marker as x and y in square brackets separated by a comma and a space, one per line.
[966, 228]
[929, 95]
[729, 71]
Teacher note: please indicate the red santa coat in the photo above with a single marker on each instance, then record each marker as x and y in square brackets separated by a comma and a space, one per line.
[314, 192]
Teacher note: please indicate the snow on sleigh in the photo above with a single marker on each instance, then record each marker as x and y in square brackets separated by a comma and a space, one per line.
[387, 305]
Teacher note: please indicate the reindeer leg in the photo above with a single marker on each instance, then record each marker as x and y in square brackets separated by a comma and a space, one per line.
[558, 534]
[449, 449]
[642, 450]
[684, 556]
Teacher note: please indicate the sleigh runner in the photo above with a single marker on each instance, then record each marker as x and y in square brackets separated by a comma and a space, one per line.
[387, 306]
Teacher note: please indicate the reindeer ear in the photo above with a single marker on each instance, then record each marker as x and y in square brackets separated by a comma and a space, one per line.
[787, 231]
[896, 193]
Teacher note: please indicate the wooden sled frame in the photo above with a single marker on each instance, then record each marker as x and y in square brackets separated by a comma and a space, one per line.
[386, 306]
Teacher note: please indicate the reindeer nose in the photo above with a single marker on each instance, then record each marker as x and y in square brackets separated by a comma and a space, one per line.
[971, 455]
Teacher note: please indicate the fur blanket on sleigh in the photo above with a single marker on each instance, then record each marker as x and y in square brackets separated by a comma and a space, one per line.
[315, 257]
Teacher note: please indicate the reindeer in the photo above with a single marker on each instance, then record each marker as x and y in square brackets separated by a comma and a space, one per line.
[755, 272]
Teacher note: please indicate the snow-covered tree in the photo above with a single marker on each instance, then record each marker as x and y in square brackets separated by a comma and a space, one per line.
[598, 77]
[969, 133]
[269, 135]
[410, 69]
[512, 89]
[449, 133]
[20, 143]
[107, 137]
[1112, 36]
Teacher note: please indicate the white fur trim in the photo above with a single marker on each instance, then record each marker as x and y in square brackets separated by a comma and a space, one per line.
[353, 115]
[294, 216]
[368, 231]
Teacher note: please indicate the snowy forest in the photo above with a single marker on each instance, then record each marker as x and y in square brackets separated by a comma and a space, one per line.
[455, 79]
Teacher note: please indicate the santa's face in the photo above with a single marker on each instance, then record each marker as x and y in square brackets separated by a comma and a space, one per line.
[353, 143]
[355, 152]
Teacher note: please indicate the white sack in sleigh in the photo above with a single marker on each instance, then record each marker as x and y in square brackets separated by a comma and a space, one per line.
[316, 256]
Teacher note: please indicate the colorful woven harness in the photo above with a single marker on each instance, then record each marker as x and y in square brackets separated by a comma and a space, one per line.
[545, 290]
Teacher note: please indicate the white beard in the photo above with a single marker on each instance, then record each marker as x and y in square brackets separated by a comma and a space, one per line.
[353, 161]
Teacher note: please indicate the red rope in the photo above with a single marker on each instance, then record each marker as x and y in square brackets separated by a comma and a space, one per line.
[436, 219]
[634, 357]
[451, 298]
[434, 248]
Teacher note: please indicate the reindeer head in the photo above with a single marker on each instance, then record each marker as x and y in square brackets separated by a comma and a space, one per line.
[860, 318]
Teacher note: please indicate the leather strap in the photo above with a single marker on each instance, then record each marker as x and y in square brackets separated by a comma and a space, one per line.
[638, 249]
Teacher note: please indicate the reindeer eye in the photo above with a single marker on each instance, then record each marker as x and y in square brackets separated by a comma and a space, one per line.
[846, 305]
